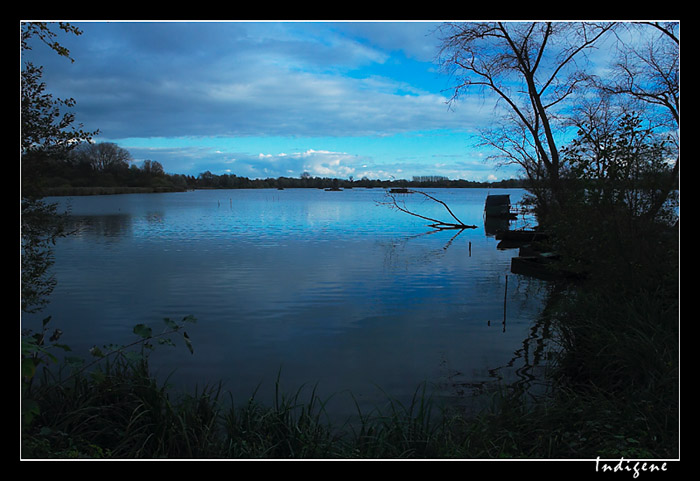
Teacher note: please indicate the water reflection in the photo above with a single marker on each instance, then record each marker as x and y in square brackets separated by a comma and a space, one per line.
[329, 287]
[525, 371]
[494, 224]
[117, 226]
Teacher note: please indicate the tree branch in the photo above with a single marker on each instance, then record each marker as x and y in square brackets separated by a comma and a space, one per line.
[437, 224]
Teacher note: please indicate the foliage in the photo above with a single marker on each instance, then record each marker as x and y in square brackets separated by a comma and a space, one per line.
[623, 166]
[38, 348]
[618, 326]
[42, 31]
[125, 414]
[616, 216]
[47, 133]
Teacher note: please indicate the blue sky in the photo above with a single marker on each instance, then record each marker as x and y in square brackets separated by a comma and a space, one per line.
[269, 99]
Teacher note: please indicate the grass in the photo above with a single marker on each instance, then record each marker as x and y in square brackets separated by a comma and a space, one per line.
[124, 414]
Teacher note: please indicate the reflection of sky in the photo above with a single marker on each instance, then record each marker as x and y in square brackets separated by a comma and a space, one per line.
[329, 286]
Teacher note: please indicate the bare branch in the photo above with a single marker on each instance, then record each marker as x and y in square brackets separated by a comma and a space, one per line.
[437, 224]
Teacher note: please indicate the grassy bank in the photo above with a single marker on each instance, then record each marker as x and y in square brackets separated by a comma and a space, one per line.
[127, 415]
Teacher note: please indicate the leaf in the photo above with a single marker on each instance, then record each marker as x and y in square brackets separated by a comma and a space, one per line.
[30, 409]
[188, 342]
[143, 330]
[74, 362]
[28, 367]
[98, 376]
[56, 335]
[171, 324]
[133, 356]
[96, 351]
[65, 347]
[29, 346]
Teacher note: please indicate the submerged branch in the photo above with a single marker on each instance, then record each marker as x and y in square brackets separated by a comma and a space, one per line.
[437, 224]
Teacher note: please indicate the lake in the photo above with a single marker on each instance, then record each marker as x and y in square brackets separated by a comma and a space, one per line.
[328, 289]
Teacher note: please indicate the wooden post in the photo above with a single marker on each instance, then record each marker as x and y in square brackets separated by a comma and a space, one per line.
[505, 298]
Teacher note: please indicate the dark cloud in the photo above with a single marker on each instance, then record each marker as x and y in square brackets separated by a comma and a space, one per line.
[245, 79]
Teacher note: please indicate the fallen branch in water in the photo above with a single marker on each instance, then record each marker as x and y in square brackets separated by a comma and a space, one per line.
[436, 224]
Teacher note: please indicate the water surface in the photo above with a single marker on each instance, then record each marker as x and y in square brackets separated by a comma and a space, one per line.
[326, 289]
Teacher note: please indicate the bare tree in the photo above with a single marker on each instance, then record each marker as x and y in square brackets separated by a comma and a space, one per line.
[532, 68]
[103, 156]
[648, 72]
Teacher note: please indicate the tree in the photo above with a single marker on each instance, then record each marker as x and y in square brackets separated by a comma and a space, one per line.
[46, 133]
[102, 157]
[207, 179]
[533, 68]
[617, 164]
[153, 167]
[42, 31]
[648, 72]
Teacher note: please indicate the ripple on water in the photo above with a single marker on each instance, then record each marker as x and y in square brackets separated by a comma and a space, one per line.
[336, 290]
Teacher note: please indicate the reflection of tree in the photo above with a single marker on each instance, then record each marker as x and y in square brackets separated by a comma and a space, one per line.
[99, 226]
[394, 246]
[41, 227]
[155, 217]
[526, 364]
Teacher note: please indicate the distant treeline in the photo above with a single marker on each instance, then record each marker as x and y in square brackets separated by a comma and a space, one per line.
[108, 169]
[134, 180]
[207, 180]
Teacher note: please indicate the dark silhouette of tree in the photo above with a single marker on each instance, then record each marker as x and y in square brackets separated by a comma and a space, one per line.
[649, 73]
[532, 69]
[48, 133]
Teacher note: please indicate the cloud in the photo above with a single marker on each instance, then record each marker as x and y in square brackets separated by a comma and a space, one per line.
[198, 96]
[247, 79]
[415, 39]
[195, 160]
[318, 162]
